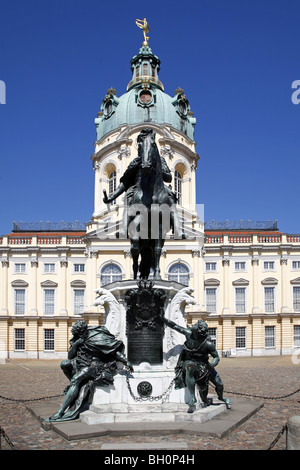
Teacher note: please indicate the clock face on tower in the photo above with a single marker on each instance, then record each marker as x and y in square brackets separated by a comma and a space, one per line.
[145, 97]
[182, 107]
[108, 108]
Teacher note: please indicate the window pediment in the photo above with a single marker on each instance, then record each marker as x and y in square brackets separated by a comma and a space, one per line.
[241, 282]
[19, 283]
[295, 281]
[211, 282]
[269, 281]
[78, 283]
[48, 283]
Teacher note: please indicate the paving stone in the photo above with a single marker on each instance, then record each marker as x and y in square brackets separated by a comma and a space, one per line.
[265, 377]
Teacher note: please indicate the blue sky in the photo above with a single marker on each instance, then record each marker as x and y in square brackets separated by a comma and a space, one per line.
[236, 61]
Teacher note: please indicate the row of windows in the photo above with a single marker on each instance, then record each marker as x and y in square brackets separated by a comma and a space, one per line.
[178, 272]
[49, 301]
[240, 337]
[240, 299]
[48, 339]
[211, 266]
[48, 268]
[210, 292]
[111, 272]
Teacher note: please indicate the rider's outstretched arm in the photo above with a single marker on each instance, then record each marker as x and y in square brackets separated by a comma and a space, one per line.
[120, 189]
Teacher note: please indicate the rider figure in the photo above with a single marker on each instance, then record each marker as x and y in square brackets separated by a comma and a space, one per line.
[128, 184]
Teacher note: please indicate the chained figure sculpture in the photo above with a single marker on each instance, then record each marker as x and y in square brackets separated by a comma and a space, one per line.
[92, 361]
[193, 366]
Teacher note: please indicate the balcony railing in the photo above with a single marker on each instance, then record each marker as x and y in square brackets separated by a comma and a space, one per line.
[269, 239]
[48, 240]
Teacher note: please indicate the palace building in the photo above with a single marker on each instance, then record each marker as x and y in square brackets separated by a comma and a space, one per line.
[245, 275]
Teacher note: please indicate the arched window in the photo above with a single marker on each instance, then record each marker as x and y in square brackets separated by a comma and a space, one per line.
[110, 273]
[178, 186]
[180, 273]
[112, 183]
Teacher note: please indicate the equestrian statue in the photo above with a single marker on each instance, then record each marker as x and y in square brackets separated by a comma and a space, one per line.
[149, 208]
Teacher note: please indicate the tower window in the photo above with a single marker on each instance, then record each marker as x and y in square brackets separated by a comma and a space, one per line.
[145, 69]
[112, 181]
[178, 186]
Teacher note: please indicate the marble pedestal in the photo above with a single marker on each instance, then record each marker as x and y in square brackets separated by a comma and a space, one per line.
[123, 401]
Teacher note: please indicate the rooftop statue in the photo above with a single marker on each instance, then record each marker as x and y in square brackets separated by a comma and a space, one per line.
[146, 28]
[150, 206]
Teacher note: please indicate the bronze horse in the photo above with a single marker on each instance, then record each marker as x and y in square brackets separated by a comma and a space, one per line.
[150, 209]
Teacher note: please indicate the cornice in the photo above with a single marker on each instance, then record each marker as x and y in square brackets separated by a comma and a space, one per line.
[112, 147]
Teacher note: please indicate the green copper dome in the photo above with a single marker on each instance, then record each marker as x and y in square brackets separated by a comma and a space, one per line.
[145, 101]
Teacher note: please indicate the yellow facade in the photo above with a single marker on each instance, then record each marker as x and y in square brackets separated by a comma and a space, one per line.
[246, 282]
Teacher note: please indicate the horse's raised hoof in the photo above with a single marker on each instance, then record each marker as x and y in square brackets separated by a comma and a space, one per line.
[191, 409]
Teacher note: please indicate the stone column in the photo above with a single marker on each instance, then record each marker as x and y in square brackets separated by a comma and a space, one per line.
[226, 279]
[4, 290]
[63, 287]
[284, 286]
[91, 284]
[33, 287]
[255, 286]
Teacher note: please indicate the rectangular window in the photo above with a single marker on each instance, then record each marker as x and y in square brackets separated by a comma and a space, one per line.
[20, 267]
[49, 268]
[269, 336]
[211, 300]
[20, 301]
[270, 299]
[145, 69]
[49, 339]
[78, 301]
[296, 336]
[269, 265]
[19, 339]
[296, 265]
[49, 301]
[240, 299]
[240, 266]
[210, 266]
[240, 337]
[213, 335]
[296, 298]
[79, 268]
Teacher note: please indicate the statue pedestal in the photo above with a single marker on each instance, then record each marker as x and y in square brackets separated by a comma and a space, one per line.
[148, 394]
[115, 404]
[144, 387]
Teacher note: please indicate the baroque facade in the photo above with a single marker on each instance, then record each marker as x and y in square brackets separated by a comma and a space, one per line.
[245, 276]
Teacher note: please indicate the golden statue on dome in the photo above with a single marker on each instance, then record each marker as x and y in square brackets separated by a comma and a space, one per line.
[145, 27]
